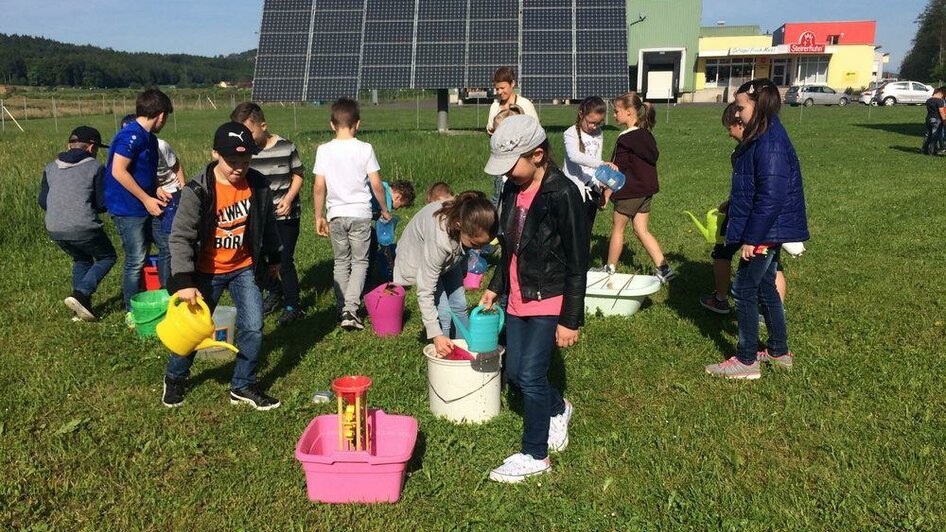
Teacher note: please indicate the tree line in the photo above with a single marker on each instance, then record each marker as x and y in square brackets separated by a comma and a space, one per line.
[926, 61]
[36, 61]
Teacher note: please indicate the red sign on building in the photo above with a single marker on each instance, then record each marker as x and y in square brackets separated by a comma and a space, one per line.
[806, 44]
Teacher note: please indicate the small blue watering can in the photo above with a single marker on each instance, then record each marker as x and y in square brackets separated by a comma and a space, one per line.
[483, 334]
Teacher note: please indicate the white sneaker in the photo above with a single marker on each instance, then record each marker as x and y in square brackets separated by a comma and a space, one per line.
[558, 429]
[519, 467]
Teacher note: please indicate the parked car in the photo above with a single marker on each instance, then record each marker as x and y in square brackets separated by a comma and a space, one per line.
[902, 92]
[809, 95]
[867, 97]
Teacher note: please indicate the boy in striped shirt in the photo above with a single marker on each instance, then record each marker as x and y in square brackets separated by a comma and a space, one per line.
[279, 161]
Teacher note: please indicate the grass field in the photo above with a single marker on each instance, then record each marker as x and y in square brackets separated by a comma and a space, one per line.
[854, 438]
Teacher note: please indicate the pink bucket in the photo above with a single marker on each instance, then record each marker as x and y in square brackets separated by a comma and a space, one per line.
[378, 475]
[385, 305]
[472, 280]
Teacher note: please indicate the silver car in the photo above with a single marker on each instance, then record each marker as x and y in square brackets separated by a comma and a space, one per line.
[809, 95]
[903, 92]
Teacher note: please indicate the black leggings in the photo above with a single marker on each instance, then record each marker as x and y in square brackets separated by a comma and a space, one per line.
[289, 287]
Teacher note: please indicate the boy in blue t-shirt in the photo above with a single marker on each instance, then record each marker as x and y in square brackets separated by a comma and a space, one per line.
[132, 195]
[397, 194]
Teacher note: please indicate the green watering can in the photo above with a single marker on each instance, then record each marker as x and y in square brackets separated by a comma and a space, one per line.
[483, 333]
[712, 231]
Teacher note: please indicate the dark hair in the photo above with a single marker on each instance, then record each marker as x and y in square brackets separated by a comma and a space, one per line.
[504, 74]
[405, 189]
[768, 102]
[345, 113]
[589, 106]
[730, 116]
[248, 111]
[646, 114]
[470, 213]
[941, 90]
[440, 188]
[153, 102]
[127, 119]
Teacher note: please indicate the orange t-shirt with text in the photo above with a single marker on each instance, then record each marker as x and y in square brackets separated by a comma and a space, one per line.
[226, 251]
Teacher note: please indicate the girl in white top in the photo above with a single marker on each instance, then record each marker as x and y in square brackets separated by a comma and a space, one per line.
[583, 145]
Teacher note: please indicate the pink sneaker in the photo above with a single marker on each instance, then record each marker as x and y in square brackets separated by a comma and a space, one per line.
[734, 369]
[786, 361]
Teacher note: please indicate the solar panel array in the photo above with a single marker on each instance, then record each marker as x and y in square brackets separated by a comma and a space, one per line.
[324, 49]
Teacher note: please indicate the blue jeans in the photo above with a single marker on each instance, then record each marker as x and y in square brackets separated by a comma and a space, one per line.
[450, 295]
[135, 233]
[249, 324]
[92, 258]
[529, 345]
[498, 185]
[934, 137]
[754, 283]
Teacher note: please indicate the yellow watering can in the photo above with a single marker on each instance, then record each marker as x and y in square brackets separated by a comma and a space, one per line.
[712, 231]
[188, 328]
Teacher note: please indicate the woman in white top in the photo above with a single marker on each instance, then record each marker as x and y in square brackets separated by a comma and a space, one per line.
[583, 144]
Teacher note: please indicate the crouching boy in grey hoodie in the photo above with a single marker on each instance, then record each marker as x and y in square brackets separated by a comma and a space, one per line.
[72, 195]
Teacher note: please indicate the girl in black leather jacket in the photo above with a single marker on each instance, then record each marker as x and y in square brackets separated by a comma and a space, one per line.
[545, 262]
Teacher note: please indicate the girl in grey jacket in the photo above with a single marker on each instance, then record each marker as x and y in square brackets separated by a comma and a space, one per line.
[430, 254]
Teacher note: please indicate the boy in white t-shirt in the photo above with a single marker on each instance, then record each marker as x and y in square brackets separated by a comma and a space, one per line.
[346, 176]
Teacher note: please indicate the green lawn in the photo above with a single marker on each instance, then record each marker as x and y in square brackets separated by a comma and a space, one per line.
[854, 438]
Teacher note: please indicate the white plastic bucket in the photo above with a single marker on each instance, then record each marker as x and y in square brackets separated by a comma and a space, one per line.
[464, 391]
[224, 331]
[619, 294]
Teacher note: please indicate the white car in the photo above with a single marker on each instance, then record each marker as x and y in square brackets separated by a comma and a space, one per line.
[902, 92]
[867, 97]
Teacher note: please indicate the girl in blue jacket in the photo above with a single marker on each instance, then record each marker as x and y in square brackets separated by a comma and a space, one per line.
[766, 210]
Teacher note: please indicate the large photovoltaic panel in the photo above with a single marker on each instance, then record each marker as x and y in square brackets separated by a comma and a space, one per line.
[324, 49]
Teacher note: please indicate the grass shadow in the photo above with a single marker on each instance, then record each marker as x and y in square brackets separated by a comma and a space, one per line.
[296, 339]
[695, 279]
[908, 149]
[319, 278]
[917, 129]
[416, 463]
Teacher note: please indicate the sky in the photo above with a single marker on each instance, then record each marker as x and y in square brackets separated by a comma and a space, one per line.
[214, 27]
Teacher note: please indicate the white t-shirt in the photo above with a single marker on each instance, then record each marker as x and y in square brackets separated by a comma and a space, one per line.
[167, 159]
[519, 100]
[346, 165]
[580, 167]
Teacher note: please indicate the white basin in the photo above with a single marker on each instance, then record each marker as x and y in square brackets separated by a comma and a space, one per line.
[620, 294]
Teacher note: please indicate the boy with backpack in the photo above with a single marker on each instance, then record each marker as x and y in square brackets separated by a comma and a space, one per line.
[224, 237]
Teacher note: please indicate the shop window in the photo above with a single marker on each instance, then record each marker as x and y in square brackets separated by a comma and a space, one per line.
[812, 70]
[719, 72]
[781, 72]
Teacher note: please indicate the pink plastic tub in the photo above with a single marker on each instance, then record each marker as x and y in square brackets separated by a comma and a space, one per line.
[385, 306]
[335, 476]
[472, 280]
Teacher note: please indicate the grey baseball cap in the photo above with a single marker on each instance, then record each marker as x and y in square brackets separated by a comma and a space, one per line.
[515, 136]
